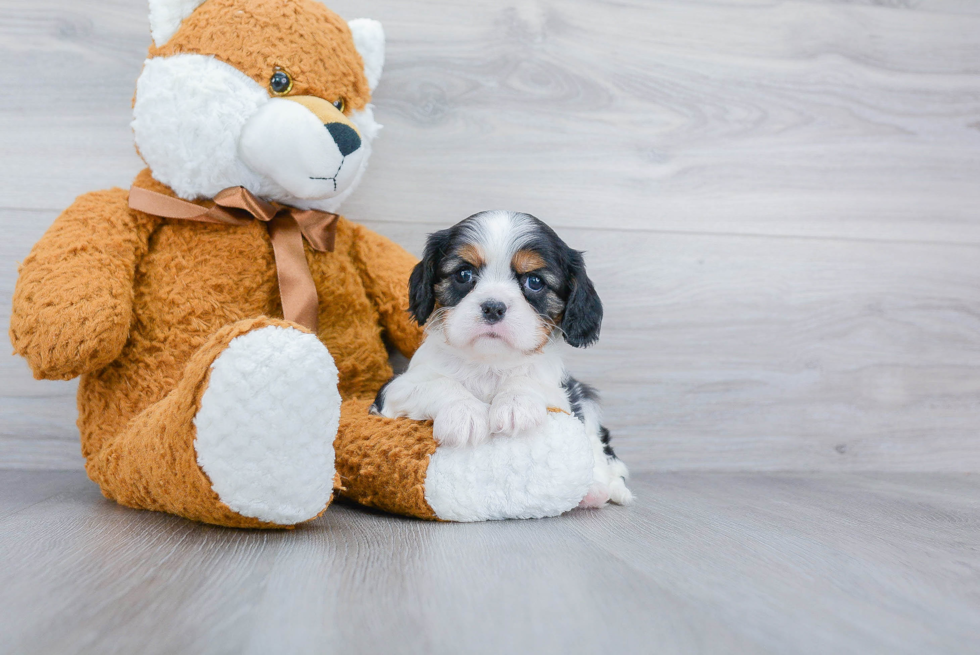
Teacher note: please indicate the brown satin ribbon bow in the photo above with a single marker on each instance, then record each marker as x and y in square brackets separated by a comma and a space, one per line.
[287, 227]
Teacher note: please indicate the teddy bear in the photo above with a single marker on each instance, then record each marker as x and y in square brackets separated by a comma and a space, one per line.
[230, 328]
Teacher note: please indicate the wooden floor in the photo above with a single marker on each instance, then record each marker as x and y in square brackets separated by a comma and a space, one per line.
[780, 203]
[703, 563]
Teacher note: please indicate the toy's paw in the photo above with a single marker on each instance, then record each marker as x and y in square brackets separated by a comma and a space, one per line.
[267, 423]
[511, 413]
[462, 423]
[597, 496]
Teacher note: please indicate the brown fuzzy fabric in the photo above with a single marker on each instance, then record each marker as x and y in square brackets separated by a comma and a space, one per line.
[127, 300]
[315, 46]
[153, 464]
[382, 462]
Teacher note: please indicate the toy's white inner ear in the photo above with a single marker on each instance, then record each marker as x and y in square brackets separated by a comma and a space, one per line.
[369, 39]
[166, 16]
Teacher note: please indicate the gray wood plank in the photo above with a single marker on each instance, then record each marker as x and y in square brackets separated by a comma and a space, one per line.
[21, 489]
[778, 200]
[803, 563]
[826, 119]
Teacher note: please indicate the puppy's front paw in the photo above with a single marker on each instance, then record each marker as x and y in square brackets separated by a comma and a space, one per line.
[511, 413]
[461, 423]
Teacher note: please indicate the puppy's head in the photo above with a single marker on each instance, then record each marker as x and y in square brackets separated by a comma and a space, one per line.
[501, 282]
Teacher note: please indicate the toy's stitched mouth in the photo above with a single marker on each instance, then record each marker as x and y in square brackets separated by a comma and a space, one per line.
[334, 178]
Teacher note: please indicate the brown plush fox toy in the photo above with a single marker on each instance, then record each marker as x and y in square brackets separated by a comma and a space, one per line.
[229, 327]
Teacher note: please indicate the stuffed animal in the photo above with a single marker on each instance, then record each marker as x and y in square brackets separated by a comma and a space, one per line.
[228, 326]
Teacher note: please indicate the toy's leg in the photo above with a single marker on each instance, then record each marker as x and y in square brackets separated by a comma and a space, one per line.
[245, 439]
[382, 462]
[394, 465]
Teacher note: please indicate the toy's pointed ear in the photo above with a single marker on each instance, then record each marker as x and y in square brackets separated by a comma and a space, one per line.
[369, 39]
[166, 16]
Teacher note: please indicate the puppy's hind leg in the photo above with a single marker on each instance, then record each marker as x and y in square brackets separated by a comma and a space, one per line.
[609, 475]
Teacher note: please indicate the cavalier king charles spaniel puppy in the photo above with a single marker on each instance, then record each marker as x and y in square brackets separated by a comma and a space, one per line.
[497, 293]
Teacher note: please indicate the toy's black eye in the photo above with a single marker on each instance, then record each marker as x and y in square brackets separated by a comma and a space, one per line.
[280, 82]
[463, 275]
[533, 283]
[340, 105]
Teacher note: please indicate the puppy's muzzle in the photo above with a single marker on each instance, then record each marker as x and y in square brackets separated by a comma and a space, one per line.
[493, 311]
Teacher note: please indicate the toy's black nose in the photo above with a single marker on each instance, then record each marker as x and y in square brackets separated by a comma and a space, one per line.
[493, 311]
[345, 137]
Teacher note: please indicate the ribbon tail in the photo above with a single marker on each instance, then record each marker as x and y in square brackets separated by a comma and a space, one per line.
[300, 303]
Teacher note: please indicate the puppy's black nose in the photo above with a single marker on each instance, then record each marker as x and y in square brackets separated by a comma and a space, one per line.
[493, 311]
[345, 137]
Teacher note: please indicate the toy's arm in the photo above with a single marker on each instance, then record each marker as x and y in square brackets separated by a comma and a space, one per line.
[385, 267]
[72, 305]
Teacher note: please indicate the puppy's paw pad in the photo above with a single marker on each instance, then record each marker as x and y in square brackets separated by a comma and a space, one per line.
[511, 413]
[597, 496]
[462, 423]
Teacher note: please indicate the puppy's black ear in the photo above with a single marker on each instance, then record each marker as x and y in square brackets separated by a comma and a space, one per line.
[583, 310]
[421, 284]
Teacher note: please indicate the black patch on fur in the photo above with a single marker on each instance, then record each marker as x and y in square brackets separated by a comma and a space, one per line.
[578, 394]
[421, 284]
[429, 273]
[580, 308]
[379, 400]
[605, 438]
[583, 309]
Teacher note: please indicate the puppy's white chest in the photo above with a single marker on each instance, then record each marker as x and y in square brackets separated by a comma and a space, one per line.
[484, 385]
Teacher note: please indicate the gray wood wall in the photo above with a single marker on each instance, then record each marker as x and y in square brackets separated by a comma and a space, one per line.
[779, 201]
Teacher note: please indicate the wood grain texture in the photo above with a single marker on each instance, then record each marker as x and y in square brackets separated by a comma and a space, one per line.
[703, 563]
[778, 200]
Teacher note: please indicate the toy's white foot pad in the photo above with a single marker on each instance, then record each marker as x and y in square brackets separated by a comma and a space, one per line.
[267, 423]
[534, 476]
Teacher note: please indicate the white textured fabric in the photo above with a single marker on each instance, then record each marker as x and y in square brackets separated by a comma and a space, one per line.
[188, 115]
[285, 142]
[167, 15]
[267, 423]
[534, 476]
[191, 112]
[369, 39]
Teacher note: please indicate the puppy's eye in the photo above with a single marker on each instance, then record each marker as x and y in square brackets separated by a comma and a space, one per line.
[280, 83]
[463, 276]
[340, 105]
[533, 283]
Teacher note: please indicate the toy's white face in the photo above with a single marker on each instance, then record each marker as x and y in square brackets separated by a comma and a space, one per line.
[202, 126]
[312, 152]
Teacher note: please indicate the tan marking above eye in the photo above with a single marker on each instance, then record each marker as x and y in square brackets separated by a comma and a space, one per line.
[472, 254]
[525, 261]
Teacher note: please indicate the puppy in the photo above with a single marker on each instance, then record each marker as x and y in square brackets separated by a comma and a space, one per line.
[497, 293]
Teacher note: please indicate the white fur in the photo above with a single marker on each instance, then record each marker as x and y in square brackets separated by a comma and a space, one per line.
[499, 235]
[267, 423]
[167, 15]
[443, 384]
[189, 118]
[542, 474]
[369, 39]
